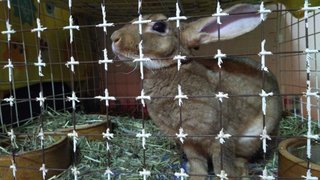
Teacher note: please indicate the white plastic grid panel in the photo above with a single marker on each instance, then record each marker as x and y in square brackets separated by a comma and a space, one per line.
[293, 74]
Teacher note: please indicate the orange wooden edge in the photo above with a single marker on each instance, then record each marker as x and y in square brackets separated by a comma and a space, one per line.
[291, 166]
[57, 158]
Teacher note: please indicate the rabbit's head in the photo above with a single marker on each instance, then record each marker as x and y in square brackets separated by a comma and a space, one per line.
[161, 39]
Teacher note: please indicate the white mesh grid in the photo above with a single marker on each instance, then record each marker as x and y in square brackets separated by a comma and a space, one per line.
[295, 75]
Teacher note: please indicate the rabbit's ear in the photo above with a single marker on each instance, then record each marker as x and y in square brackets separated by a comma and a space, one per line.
[242, 18]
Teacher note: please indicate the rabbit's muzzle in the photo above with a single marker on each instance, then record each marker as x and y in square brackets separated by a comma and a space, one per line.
[124, 44]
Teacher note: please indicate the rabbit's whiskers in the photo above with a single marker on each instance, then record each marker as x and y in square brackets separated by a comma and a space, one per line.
[135, 67]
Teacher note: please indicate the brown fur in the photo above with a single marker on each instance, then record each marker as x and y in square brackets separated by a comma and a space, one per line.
[201, 113]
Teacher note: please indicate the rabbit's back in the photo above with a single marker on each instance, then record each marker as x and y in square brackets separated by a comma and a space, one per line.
[241, 113]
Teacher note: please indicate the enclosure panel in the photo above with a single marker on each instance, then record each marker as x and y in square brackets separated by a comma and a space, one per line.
[54, 44]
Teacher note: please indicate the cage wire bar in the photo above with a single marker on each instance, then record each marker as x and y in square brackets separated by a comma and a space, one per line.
[105, 61]
[180, 96]
[11, 99]
[221, 136]
[70, 64]
[143, 135]
[40, 64]
[181, 135]
[309, 92]
[263, 53]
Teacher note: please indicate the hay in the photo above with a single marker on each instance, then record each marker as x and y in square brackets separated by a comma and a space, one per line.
[25, 144]
[294, 126]
[27, 134]
[126, 158]
[126, 155]
[53, 120]
[162, 156]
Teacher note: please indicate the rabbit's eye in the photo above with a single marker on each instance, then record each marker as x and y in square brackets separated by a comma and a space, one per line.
[159, 27]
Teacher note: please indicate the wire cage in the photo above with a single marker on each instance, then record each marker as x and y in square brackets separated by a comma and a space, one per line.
[59, 70]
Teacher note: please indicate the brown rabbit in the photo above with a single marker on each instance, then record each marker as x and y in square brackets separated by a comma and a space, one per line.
[201, 112]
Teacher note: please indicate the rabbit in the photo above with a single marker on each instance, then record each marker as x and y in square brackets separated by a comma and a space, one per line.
[201, 113]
